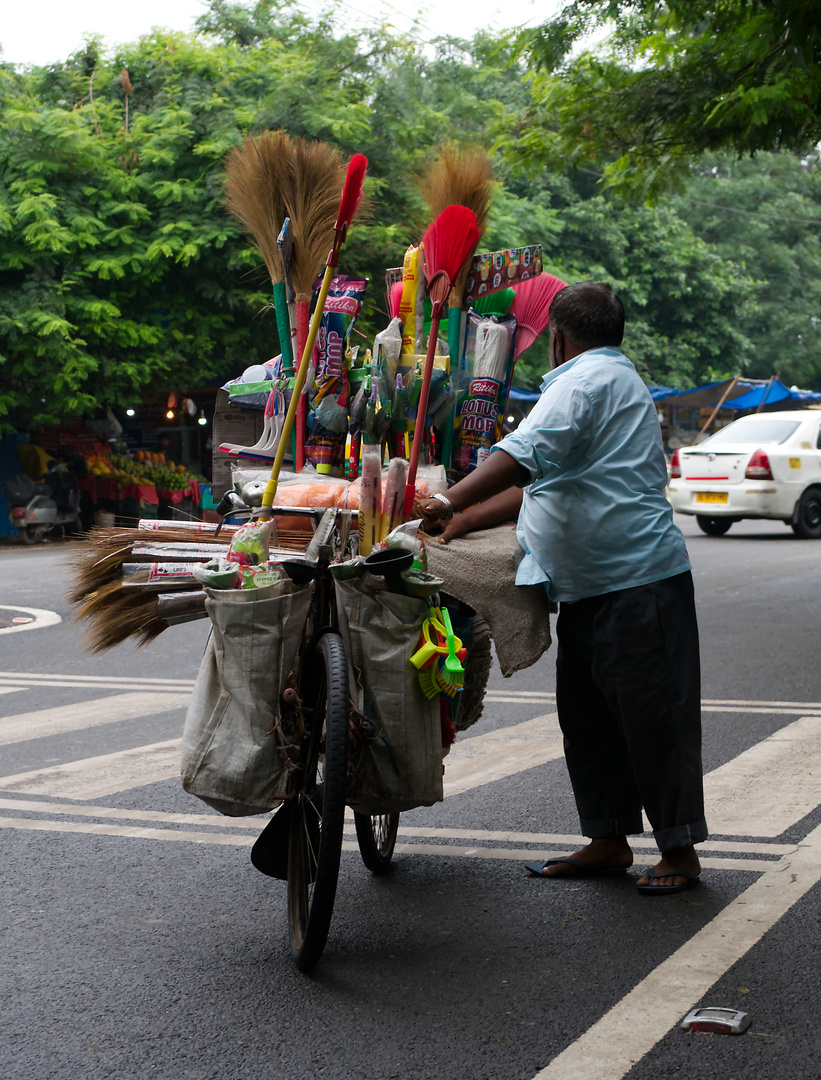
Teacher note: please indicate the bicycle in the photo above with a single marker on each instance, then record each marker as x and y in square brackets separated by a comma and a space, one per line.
[312, 818]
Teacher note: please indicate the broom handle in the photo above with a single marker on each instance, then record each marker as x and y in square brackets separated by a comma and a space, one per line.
[302, 309]
[299, 382]
[421, 413]
[283, 327]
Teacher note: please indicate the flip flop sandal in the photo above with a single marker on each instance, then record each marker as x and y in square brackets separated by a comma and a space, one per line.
[584, 869]
[667, 890]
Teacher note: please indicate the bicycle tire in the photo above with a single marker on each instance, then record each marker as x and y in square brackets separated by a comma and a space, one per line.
[318, 806]
[376, 836]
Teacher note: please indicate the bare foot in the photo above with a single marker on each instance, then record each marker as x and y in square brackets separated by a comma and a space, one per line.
[604, 853]
[676, 859]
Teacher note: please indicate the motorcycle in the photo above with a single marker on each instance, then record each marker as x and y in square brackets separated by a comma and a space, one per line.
[37, 508]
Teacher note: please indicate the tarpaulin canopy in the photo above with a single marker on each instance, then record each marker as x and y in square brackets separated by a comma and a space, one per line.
[768, 394]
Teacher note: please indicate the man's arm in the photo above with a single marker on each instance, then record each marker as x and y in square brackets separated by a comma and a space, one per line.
[497, 474]
[484, 515]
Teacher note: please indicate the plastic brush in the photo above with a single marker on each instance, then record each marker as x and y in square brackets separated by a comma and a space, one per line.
[453, 673]
[446, 246]
[532, 309]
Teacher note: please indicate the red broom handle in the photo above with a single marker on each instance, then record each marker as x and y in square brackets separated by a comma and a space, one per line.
[302, 318]
[421, 413]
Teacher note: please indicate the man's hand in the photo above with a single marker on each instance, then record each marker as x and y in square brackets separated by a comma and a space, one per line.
[432, 512]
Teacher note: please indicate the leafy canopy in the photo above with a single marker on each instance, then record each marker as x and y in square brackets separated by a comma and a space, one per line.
[675, 79]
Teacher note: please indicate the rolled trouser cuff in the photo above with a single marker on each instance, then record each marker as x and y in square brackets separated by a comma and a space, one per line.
[681, 835]
[598, 829]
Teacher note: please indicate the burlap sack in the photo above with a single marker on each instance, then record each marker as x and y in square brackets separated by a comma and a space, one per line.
[236, 740]
[396, 758]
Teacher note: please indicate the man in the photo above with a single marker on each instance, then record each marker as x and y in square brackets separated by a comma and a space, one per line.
[597, 530]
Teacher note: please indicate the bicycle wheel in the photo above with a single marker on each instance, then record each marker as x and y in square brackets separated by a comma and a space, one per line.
[376, 836]
[318, 806]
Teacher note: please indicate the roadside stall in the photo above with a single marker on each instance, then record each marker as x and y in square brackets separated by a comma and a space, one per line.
[347, 650]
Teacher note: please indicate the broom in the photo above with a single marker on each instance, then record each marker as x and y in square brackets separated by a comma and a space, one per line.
[309, 178]
[461, 175]
[254, 197]
[348, 204]
[532, 309]
[446, 246]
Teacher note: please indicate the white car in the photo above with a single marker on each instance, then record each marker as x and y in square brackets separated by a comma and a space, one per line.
[767, 465]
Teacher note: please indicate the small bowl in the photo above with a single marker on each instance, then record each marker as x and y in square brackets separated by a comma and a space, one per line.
[388, 563]
[298, 571]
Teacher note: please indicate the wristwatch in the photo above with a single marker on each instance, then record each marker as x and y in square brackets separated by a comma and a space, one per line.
[448, 505]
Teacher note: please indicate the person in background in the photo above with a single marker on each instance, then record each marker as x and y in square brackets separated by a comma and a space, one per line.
[585, 476]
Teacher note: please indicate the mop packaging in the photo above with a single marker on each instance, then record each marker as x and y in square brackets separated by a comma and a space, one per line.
[488, 368]
[328, 423]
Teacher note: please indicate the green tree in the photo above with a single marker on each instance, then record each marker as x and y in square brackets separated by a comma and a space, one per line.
[675, 78]
[764, 214]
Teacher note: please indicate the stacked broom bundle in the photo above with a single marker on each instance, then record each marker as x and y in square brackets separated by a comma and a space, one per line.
[135, 583]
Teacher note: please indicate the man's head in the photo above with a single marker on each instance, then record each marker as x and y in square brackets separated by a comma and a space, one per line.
[584, 316]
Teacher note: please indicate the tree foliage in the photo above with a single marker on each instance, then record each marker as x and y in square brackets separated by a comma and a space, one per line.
[121, 272]
[675, 78]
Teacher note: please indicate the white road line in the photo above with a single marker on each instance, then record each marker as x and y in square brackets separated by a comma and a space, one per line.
[42, 619]
[630, 1030]
[256, 822]
[86, 714]
[769, 787]
[485, 758]
[449, 851]
[107, 774]
[115, 684]
[734, 703]
[93, 680]
[11, 689]
[769, 710]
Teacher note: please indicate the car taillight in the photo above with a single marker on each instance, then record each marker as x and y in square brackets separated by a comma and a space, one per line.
[18, 511]
[758, 467]
[675, 466]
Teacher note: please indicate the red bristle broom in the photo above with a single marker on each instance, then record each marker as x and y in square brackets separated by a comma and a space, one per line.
[446, 246]
[351, 195]
[532, 309]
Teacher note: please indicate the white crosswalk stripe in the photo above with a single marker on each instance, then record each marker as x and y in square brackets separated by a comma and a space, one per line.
[87, 714]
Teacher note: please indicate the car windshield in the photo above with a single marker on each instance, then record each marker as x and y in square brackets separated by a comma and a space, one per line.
[758, 430]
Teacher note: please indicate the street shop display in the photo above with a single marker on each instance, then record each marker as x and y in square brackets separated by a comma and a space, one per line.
[346, 652]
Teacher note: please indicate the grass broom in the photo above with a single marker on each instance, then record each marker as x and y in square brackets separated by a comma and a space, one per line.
[446, 246]
[254, 196]
[310, 178]
[347, 207]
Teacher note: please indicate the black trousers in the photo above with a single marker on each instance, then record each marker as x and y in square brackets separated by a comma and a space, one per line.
[628, 692]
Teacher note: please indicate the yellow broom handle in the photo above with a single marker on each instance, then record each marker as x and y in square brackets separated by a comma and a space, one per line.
[299, 382]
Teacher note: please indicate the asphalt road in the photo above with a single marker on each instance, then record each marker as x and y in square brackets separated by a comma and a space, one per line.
[138, 939]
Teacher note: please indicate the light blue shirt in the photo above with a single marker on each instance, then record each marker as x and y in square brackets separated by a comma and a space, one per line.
[594, 516]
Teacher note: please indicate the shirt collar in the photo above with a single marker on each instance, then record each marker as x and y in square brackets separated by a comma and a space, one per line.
[606, 352]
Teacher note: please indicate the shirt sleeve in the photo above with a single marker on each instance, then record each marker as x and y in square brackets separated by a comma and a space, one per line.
[561, 421]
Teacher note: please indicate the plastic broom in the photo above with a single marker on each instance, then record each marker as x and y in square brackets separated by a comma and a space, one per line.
[446, 246]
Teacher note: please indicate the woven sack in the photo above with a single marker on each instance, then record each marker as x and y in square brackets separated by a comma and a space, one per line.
[237, 743]
[396, 754]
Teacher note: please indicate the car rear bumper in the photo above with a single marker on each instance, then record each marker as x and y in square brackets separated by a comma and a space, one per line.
[750, 499]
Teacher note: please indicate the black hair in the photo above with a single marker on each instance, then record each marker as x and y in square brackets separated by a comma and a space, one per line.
[589, 313]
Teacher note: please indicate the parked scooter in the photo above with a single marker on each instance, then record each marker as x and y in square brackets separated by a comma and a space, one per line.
[54, 503]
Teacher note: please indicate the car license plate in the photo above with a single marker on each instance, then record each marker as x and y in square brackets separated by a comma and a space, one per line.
[711, 496]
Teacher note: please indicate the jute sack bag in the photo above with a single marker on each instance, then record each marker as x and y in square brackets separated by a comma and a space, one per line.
[236, 740]
[396, 756]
